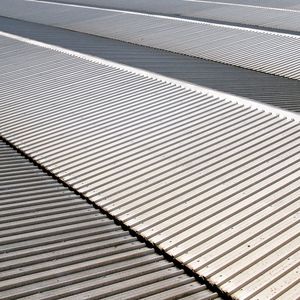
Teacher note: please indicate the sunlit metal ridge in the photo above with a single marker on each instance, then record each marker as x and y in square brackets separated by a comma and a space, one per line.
[129, 12]
[212, 181]
[181, 83]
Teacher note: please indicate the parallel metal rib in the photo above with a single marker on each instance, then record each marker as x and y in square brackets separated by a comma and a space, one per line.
[262, 87]
[66, 249]
[264, 51]
[211, 179]
[282, 15]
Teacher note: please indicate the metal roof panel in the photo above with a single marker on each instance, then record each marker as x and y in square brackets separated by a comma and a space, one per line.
[210, 178]
[262, 87]
[73, 251]
[264, 51]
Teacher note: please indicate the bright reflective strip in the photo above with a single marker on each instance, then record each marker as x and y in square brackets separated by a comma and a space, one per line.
[260, 50]
[210, 178]
[227, 4]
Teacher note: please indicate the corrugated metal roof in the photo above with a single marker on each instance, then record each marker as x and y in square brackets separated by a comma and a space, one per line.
[55, 245]
[262, 87]
[264, 51]
[211, 179]
[282, 15]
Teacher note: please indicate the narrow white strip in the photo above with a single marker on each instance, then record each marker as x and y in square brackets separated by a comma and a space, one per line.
[162, 17]
[155, 76]
[243, 5]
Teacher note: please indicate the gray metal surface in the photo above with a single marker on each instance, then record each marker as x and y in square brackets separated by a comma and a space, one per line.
[54, 245]
[268, 52]
[211, 179]
[280, 15]
[262, 87]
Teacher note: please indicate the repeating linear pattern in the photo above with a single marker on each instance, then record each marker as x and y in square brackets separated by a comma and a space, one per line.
[210, 179]
[268, 52]
[265, 88]
[284, 15]
[54, 245]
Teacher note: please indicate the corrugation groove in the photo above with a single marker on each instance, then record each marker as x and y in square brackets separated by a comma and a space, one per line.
[93, 258]
[270, 89]
[211, 180]
[278, 15]
[268, 52]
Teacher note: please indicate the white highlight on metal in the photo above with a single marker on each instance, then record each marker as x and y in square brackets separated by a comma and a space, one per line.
[162, 17]
[213, 183]
[189, 86]
[243, 5]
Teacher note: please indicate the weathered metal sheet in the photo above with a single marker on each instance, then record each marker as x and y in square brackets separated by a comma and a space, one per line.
[262, 87]
[55, 245]
[263, 51]
[211, 179]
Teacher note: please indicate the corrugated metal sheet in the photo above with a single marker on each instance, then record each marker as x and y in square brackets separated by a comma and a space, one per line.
[272, 53]
[211, 179]
[282, 15]
[54, 245]
[262, 87]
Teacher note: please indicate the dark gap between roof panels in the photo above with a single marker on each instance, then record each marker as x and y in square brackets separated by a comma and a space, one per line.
[175, 15]
[211, 293]
[270, 89]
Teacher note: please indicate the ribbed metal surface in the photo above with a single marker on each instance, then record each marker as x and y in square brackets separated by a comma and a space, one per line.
[265, 14]
[263, 51]
[214, 182]
[262, 87]
[55, 245]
